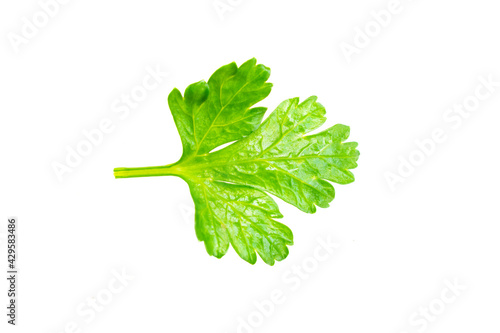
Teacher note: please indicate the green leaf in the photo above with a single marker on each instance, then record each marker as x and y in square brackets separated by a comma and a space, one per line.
[276, 156]
[219, 112]
[242, 216]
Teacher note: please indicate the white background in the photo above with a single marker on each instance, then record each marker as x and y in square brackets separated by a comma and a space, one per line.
[397, 248]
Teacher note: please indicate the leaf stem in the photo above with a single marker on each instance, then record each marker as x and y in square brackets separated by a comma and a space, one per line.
[164, 170]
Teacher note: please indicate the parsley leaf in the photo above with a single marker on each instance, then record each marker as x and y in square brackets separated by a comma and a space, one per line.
[276, 156]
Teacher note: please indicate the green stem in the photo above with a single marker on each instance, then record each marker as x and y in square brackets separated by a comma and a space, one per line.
[165, 170]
